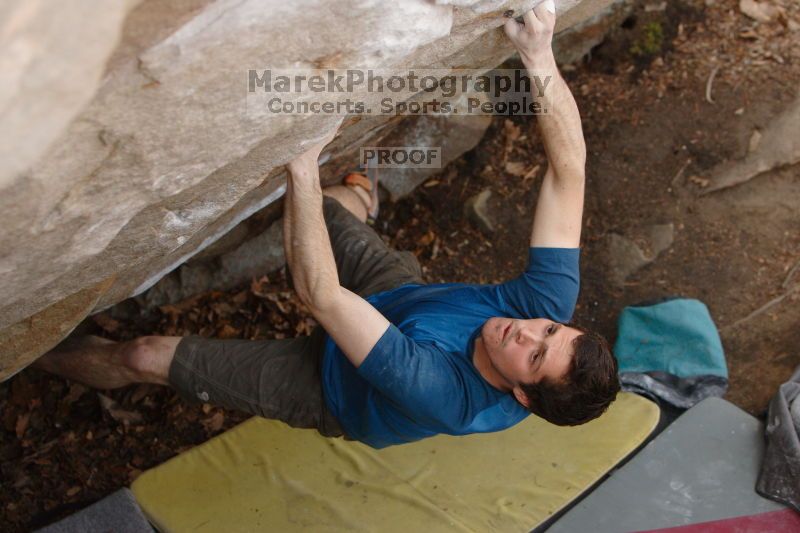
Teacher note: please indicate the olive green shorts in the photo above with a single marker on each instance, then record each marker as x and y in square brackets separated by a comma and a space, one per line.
[282, 379]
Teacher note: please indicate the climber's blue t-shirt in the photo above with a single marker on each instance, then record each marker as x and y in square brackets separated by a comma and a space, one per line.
[419, 379]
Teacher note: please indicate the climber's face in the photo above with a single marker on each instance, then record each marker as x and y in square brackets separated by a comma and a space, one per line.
[528, 351]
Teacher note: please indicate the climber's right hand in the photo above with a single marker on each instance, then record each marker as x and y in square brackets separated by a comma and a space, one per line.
[533, 39]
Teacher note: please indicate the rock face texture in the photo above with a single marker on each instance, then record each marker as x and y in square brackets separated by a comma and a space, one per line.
[128, 147]
[621, 256]
[778, 146]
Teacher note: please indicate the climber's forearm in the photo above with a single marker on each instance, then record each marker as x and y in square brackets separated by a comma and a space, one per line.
[560, 126]
[308, 246]
[559, 208]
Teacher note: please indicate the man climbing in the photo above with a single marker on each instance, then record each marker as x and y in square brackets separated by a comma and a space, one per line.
[396, 360]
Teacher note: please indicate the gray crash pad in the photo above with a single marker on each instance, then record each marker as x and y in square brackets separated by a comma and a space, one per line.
[118, 513]
[703, 467]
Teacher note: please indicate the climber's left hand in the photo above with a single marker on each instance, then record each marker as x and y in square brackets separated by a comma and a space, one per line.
[309, 159]
[534, 39]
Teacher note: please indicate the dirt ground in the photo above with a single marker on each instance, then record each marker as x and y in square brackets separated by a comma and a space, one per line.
[652, 137]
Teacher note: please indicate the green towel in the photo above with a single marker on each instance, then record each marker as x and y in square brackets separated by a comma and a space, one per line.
[677, 336]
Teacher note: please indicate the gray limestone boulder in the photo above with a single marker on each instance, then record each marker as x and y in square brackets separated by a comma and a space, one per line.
[128, 146]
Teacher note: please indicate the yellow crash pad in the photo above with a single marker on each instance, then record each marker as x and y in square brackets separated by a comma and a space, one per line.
[264, 475]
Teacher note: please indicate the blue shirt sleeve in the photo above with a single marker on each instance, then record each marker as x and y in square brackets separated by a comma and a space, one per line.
[419, 378]
[549, 286]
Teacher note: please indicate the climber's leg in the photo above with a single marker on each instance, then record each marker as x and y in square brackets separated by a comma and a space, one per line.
[353, 198]
[105, 364]
[279, 379]
[365, 264]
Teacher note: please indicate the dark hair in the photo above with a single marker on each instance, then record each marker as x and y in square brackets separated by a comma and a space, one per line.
[590, 385]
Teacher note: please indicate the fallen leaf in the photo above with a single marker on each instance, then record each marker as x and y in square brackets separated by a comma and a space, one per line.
[531, 173]
[259, 287]
[76, 390]
[748, 35]
[73, 491]
[22, 391]
[515, 168]
[141, 392]
[305, 326]
[228, 332]
[240, 298]
[760, 11]
[700, 182]
[22, 424]
[214, 422]
[512, 130]
[107, 323]
[117, 413]
[427, 238]
[180, 307]
[9, 418]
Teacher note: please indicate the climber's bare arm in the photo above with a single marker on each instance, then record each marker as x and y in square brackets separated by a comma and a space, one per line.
[557, 221]
[351, 321]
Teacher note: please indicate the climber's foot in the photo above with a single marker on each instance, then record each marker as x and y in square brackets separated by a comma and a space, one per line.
[357, 198]
[367, 189]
